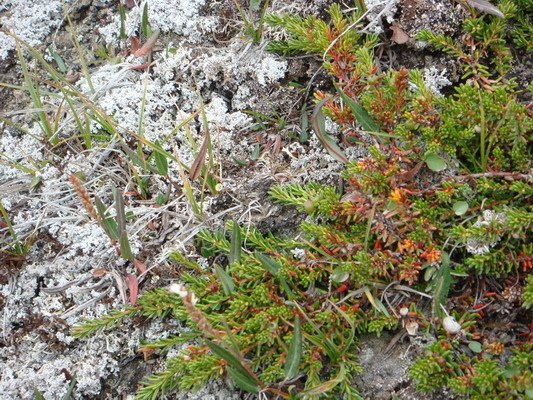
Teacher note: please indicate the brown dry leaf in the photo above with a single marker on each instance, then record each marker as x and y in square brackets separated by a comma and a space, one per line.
[318, 122]
[135, 44]
[72, 78]
[196, 167]
[140, 266]
[411, 327]
[133, 286]
[147, 353]
[99, 272]
[409, 175]
[147, 47]
[143, 66]
[398, 34]
[276, 148]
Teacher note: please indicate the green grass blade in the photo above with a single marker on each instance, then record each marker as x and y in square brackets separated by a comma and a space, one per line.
[234, 362]
[268, 263]
[443, 281]
[325, 387]
[236, 243]
[145, 23]
[225, 279]
[161, 162]
[70, 390]
[294, 355]
[243, 381]
[33, 90]
[361, 115]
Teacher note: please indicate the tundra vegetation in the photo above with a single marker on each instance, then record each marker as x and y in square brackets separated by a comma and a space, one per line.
[428, 235]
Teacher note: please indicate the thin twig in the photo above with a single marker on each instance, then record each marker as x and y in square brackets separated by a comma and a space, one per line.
[513, 175]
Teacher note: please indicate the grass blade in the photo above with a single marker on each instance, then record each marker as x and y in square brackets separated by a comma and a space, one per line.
[225, 279]
[242, 381]
[378, 305]
[294, 355]
[70, 390]
[35, 95]
[125, 248]
[361, 115]
[119, 206]
[38, 395]
[268, 263]
[486, 7]
[443, 281]
[319, 126]
[326, 386]
[196, 167]
[236, 243]
[7, 221]
[285, 287]
[161, 162]
[108, 224]
[242, 373]
[145, 23]
[59, 61]
[122, 13]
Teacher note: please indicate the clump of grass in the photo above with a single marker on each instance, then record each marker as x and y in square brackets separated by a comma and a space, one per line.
[76, 111]
[253, 18]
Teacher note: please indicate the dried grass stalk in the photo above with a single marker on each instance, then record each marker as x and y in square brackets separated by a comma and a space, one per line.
[83, 194]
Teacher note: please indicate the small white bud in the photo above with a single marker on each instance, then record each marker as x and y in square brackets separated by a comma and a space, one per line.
[450, 325]
[178, 289]
[404, 311]
[181, 291]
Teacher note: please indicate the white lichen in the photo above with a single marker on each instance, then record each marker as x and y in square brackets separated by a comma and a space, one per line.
[30, 20]
[20, 151]
[181, 17]
[435, 80]
[377, 12]
[482, 244]
[270, 70]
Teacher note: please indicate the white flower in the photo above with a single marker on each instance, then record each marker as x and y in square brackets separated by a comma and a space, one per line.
[450, 325]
